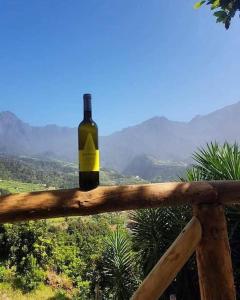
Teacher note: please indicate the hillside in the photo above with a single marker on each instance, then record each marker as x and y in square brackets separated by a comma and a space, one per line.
[155, 170]
[13, 186]
[158, 137]
[39, 174]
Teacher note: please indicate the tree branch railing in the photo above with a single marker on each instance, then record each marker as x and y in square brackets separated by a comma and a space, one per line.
[72, 202]
[206, 232]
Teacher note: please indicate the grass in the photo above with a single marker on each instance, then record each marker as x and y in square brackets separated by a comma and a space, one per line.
[7, 292]
[20, 187]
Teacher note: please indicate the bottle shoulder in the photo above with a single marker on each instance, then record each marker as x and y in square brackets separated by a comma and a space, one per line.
[88, 123]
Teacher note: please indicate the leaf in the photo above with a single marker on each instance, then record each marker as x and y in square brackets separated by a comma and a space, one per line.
[220, 14]
[197, 5]
[216, 4]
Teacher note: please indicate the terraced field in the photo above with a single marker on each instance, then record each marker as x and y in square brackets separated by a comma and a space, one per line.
[19, 187]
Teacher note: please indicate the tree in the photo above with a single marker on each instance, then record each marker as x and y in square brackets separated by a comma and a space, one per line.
[224, 10]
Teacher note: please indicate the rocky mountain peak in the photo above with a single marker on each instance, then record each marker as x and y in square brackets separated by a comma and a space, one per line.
[7, 117]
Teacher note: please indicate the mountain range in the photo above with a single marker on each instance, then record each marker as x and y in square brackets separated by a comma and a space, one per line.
[156, 139]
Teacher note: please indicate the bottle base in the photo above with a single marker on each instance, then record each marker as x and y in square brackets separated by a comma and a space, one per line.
[88, 180]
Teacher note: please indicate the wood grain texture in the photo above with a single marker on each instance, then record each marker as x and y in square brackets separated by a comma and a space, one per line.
[58, 203]
[170, 263]
[213, 254]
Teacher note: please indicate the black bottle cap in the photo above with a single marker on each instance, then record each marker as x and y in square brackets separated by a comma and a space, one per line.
[87, 96]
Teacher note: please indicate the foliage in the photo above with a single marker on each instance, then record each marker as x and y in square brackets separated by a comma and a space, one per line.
[216, 162]
[12, 186]
[69, 248]
[88, 237]
[24, 239]
[119, 268]
[25, 247]
[153, 232]
[83, 291]
[6, 274]
[32, 170]
[9, 292]
[155, 229]
[32, 276]
[224, 10]
[67, 261]
[80, 243]
[61, 295]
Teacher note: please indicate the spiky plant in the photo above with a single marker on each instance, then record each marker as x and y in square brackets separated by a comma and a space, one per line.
[216, 162]
[119, 266]
[153, 231]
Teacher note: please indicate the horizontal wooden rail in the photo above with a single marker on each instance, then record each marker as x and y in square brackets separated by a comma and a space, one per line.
[170, 263]
[58, 203]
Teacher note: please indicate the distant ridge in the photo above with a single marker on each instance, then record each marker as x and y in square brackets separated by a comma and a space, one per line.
[169, 140]
[158, 137]
[50, 141]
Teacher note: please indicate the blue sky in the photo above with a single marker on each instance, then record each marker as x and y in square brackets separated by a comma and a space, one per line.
[139, 59]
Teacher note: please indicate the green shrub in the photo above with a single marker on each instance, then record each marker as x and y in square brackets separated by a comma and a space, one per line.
[32, 275]
[6, 274]
[60, 295]
[83, 291]
[66, 260]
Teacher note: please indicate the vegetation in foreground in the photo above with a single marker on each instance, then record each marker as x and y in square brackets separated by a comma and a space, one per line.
[80, 258]
[153, 230]
[7, 292]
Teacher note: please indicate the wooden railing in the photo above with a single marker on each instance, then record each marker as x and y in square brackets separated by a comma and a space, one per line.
[206, 232]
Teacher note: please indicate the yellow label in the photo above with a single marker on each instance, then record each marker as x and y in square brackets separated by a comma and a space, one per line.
[89, 156]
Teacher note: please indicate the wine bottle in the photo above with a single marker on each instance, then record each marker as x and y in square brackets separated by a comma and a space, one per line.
[88, 148]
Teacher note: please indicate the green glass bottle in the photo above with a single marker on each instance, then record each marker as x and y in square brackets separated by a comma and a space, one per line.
[88, 148]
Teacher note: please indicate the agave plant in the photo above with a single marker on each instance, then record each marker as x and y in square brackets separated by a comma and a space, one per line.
[216, 162]
[119, 266]
[153, 231]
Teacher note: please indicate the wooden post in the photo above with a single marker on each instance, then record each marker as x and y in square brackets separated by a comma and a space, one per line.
[170, 263]
[213, 254]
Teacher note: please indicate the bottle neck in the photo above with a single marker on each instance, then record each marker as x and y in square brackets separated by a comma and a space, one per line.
[87, 115]
[87, 107]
